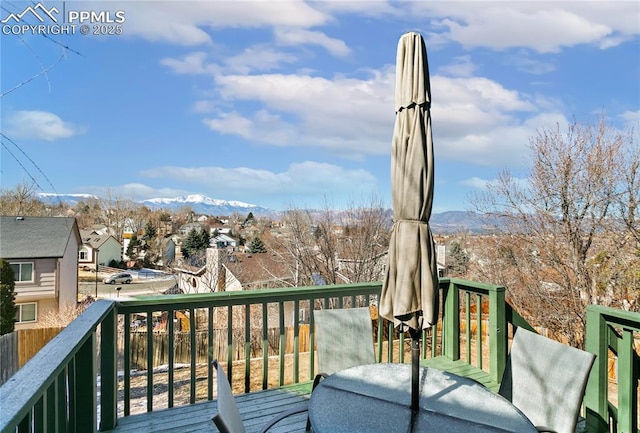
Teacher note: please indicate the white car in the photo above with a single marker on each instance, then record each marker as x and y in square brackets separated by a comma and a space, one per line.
[122, 277]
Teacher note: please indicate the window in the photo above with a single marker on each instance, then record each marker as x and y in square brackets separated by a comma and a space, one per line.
[83, 255]
[27, 313]
[22, 272]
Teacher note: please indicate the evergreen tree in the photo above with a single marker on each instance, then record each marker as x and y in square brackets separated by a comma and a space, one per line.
[203, 240]
[257, 246]
[458, 259]
[133, 247]
[8, 307]
[189, 244]
[150, 232]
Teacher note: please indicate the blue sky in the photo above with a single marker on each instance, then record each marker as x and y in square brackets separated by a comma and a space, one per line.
[290, 104]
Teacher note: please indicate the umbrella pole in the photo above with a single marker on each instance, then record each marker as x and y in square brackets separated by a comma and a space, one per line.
[415, 369]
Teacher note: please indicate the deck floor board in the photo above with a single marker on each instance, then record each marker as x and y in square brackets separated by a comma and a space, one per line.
[257, 408]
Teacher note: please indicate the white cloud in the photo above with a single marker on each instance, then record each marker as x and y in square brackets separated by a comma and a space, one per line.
[347, 115]
[483, 184]
[462, 66]
[39, 125]
[203, 106]
[190, 64]
[183, 23]
[258, 58]
[541, 26]
[524, 62]
[474, 119]
[298, 37]
[503, 144]
[476, 183]
[631, 117]
[304, 179]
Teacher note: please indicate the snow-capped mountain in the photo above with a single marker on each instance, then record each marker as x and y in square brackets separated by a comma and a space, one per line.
[200, 204]
[69, 199]
[205, 205]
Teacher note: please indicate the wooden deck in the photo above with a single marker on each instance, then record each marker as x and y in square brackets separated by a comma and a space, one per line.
[257, 408]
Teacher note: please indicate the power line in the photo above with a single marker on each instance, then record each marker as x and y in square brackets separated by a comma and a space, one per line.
[23, 167]
[32, 162]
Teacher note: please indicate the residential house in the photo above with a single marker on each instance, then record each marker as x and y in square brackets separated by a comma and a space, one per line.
[224, 241]
[185, 229]
[227, 272]
[98, 249]
[43, 252]
[212, 277]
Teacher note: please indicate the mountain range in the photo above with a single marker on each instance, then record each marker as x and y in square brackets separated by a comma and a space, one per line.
[441, 223]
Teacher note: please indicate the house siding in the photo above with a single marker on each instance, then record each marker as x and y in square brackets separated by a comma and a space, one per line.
[68, 275]
[44, 281]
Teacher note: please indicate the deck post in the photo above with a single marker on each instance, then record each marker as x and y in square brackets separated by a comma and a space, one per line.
[595, 400]
[497, 333]
[627, 385]
[451, 322]
[84, 400]
[108, 371]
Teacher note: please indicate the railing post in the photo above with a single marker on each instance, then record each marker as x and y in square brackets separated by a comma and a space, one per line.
[595, 400]
[497, 333]
[108, 372]
[85, 396]
[451, 322]
[627, 385]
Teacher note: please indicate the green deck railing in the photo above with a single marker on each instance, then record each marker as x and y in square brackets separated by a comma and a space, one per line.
[612, 331]
[56, 390]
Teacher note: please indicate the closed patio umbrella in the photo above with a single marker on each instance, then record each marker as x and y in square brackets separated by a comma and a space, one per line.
[410, 289]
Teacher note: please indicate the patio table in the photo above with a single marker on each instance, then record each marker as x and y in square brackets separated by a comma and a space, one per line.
[377, 398]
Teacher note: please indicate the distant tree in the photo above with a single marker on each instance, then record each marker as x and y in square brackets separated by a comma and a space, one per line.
[458, 260]
[257, 246]
[132, 248]
[189, 243]
[196, 241]
[204, 240]
[310, 245]
[8, 307]
[571, 225]
[249, 219]
[22, 201]
[150, 231]
[113, 263]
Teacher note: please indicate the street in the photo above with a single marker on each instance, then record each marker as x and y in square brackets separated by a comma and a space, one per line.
[137, 287]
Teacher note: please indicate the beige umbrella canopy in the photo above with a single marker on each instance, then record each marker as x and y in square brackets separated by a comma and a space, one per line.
[410, 289]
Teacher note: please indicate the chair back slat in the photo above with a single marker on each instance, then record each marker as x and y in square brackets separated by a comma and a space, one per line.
[228, 418]
[344, 338]
[546, 380]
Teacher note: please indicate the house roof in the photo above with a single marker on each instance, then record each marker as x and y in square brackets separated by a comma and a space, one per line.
[93, 239]
[258, 269]
[36, 237]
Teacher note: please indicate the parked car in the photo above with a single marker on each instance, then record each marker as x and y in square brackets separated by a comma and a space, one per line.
[122, 277]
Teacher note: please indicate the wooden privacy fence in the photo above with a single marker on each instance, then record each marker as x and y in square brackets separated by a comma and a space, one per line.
[20, 346]
[30, 341]
[218, 346]
[8, 356]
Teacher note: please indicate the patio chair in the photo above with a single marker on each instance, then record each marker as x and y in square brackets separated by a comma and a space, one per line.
[227, 419]
[546, 380]
[344, 338]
